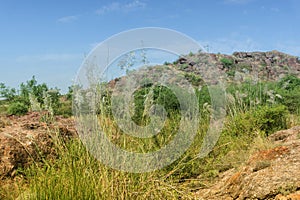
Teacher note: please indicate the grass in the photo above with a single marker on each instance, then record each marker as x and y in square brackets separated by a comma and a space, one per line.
[77, 175]
[253, 112]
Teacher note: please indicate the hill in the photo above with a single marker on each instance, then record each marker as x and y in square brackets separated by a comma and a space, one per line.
[256, 157]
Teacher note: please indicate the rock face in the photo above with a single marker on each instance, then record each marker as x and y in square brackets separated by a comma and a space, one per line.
[274, 63]
[26, 139]
[268, 174]
[271, 65]
[240, 66]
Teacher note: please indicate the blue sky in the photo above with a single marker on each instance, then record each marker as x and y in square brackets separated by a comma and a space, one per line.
[49, 39]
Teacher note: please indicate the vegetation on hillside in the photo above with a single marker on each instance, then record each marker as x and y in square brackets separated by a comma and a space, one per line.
[254, 111]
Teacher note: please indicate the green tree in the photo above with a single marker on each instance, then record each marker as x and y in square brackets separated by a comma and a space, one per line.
[7, 93]
[32, 87]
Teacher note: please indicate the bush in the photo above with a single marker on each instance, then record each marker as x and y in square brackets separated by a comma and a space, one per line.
[292, 100]
[271, 119]
[6, 92]
[33, 88]
[267, 119]
[161, 95]
[229, 65]
[65, 109]
[17, 108]
[240, 134]
[194, 79]
[226, 62]
[289, 89]
[289, 82]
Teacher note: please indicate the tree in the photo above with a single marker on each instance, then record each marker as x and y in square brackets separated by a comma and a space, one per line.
[6, 92]
[31, 87]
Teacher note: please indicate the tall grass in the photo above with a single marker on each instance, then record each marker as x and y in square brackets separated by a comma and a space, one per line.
[253, 112]
[78, 175]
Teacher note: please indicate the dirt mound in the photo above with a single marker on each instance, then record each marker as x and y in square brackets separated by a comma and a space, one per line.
[268, 174]
[29, 138]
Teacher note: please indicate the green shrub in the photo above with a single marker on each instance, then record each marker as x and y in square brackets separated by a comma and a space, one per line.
[289, 89]
[191, 54]
[203, 96]
[271, 118]
[6, 92]
[48, 99]
[228, 63]
[230, 73]
[244, 67]
[292, 100]
[3, 109]
[17, 108]
[53, 100]
[239, 134]
[194, 79]
[183, 66]
[161, 95]
[289, 82]
[267, 119]
[31, 87]
[65, 109]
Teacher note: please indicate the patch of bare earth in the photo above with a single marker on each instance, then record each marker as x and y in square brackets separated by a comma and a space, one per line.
[28, 139]
[268, 174]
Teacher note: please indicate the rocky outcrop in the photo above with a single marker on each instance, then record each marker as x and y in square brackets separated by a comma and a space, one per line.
[268, 174]
[271, 65]
[240, 66]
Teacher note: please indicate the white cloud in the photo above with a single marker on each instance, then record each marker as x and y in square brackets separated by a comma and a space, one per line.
[289, 47]
[275, 9]
[116, 6]
[230, 45]
[272, 9]
[134, 5]
[109, 8]
[49, 57]
[237, 1]
[68, 19]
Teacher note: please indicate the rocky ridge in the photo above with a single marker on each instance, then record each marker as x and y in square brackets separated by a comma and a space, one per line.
[271, 65]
